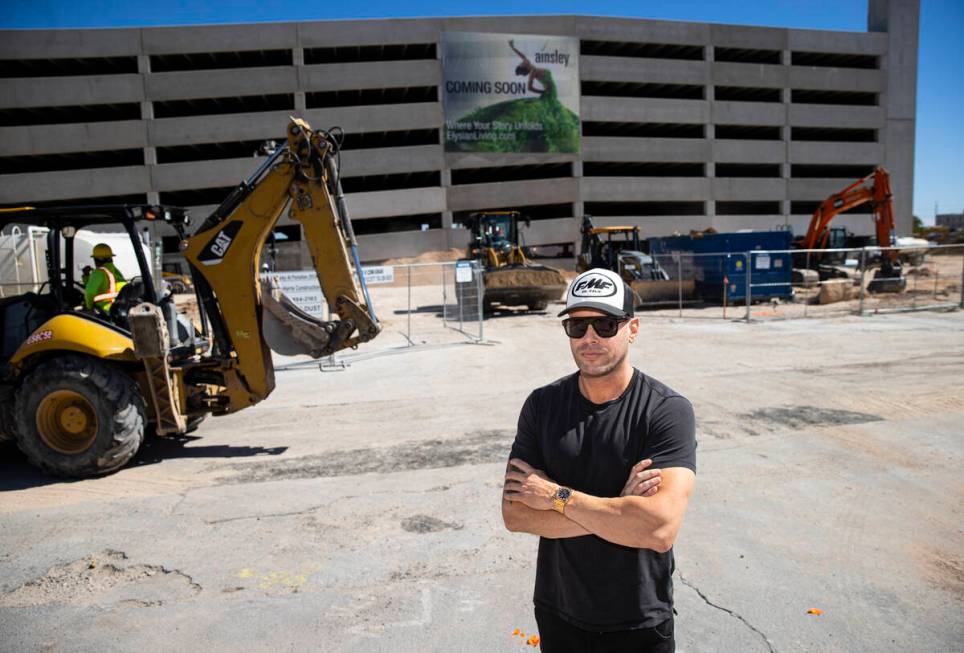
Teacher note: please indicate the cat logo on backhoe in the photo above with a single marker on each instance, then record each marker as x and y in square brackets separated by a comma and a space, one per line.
[213, 253]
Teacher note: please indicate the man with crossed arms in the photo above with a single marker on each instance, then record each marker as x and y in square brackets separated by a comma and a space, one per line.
[602, 469]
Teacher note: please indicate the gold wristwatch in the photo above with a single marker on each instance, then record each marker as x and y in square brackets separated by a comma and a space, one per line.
[560, 499]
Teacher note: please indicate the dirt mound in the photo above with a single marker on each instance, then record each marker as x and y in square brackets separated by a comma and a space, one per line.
[521, 277]
[837, 290]
[106, 577]
[451, 254]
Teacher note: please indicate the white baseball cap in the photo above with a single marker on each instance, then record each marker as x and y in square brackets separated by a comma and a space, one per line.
[601, 290]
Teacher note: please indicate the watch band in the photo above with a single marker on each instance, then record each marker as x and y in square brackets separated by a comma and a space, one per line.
[560, 499]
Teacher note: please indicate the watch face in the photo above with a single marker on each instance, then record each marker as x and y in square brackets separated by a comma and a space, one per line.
[563, 493]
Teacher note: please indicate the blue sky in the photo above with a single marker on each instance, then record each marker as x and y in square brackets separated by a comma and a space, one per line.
[939, 157]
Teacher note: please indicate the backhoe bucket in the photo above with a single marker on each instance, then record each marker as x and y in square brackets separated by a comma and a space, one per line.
[888, 279]
[534, 286]
[290, 331]
[660, 291]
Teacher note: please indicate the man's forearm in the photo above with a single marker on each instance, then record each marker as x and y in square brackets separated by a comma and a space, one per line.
[639, 522]
[521, 518]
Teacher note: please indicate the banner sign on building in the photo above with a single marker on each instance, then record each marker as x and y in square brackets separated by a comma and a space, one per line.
[510, 92]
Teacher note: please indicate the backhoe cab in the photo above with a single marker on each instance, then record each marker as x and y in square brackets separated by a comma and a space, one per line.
[79, 388]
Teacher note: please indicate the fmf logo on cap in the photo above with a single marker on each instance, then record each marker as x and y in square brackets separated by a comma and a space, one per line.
[594, 285]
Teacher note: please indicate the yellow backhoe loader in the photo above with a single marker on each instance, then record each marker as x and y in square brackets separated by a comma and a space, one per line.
[79, 388]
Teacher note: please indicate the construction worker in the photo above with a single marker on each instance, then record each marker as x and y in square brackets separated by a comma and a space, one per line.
[104, 282]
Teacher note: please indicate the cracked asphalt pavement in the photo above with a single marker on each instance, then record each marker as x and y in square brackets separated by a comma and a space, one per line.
[358, 510]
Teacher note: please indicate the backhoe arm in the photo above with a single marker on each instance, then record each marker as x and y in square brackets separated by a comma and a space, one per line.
[225, 254]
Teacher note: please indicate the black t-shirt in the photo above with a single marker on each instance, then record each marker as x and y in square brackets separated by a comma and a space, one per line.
[588, 581]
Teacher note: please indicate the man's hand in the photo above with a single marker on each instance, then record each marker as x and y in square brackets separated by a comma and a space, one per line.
[642, 482]
[525, 484]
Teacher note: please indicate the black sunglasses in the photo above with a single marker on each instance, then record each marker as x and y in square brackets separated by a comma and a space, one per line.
[605, 327]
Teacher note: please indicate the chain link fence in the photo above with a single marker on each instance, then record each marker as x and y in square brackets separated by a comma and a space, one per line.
[417, 305]
[864, 281]
[430, 303]
[788, 284]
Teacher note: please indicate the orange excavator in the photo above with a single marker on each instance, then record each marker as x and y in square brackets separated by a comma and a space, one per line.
[874, 189]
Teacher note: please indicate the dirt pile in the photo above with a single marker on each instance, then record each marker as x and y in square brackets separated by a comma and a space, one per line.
[105, 577]
[451, 254]
[521, 277]
[837, 290]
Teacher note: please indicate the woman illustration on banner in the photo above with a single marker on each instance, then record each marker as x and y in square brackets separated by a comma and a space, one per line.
[542, 75]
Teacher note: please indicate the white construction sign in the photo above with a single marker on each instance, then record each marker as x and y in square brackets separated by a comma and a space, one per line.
[379, 274]
[302, 288]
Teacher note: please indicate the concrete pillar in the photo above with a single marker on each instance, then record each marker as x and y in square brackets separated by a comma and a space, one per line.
[786, 59]
[298, 61]
[147, 114]
[578, 209]
[785, 134]
[900, 20]
[451, 240]
[144, 68]
[710, 128]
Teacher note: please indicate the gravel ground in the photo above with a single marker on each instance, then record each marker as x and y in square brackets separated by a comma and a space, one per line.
[357, 509]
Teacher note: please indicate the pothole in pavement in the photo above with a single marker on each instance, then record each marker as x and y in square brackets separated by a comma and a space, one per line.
[472, 449]
[798, 417]
[105, 578]
[425, 524]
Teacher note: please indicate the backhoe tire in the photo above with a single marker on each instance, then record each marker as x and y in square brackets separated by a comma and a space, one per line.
[538, 306]
[7, 426]
[79, 417]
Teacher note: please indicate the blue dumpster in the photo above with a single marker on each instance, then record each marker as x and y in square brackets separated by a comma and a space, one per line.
[714, 258]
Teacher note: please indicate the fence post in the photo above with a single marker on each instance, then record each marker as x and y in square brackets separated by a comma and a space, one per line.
[460, 296]
[444, 297]
[749, 284]
[480, 293]
[962, 282]
[914, 290]
[409, 305]
[679, 281]
[863, 274]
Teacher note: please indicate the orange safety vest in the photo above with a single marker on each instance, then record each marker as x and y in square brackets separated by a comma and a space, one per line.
[111, 293]
[105, 299]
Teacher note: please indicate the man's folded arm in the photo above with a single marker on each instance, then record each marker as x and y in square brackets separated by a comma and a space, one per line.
[520, 518]
[640, 522]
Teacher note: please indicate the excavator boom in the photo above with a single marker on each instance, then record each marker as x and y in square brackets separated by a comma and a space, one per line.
[875, 189]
